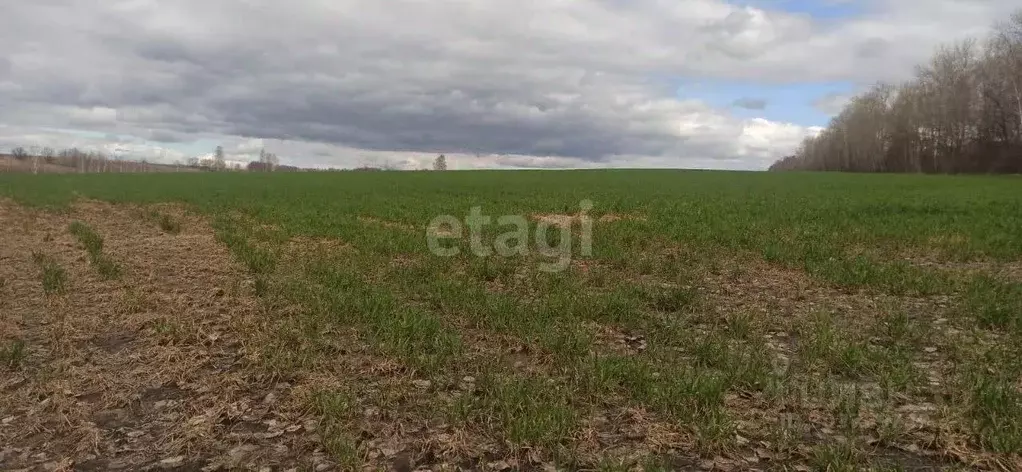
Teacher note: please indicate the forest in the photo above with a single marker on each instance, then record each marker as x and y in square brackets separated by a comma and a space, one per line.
[960, 113]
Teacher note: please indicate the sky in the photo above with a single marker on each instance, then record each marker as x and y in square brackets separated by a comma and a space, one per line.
[489, 83]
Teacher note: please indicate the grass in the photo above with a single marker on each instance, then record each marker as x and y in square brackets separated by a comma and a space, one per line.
[167, 223]
[821, 318]
[997, 412]
[336, 408]
[13, 353]
[837, 458]
[994, 303]
[54, 277]
[93, 244]
[530, 411]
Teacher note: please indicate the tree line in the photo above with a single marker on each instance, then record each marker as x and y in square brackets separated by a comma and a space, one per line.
[961, 113]
[78, 160]
[75, 159]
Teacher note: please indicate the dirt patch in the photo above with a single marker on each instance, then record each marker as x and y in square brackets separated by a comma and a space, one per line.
[786, 307]
[148, 371]
[761, 288]
[300, 248]
[369, 220]
[443, 232]
[560, 220]
[616, 340]
[620, 433]
[612, 217]
[566, 221]
[783, 301]
[1004, 271]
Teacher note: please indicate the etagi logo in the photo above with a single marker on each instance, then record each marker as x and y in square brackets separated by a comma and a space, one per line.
[517, 241]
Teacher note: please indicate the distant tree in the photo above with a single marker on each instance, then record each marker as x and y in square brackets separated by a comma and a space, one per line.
[440, 163]
[219, 162]
[48, 155]
[19, 153]
[73, 157]
[102, 162]
[268, 161]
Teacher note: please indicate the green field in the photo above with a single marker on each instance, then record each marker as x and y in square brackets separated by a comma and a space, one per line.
[723, 319]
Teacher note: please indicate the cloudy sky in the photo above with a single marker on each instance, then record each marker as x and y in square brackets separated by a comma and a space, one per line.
[490, 83]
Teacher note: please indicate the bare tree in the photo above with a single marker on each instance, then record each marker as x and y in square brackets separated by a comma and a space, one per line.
[961, 113]
[19, 153]
[48, 155]
[440, 163]
[268, 161]
[102, 161]
[1006, 45]
[219, 162]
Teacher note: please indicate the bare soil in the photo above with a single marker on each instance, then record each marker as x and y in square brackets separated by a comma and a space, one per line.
[151, 371]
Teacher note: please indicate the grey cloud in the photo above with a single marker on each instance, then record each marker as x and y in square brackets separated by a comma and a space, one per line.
[750, 103]
[165, 136]
[114, 138]
[542, 80]
[872, 48]
[165, 50]
[831, 103]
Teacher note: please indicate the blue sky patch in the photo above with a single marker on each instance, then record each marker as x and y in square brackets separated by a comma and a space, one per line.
[819, 9]
[791, 103]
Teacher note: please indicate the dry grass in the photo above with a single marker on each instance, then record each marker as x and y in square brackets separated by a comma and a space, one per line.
[149, 370]
[567, 221]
